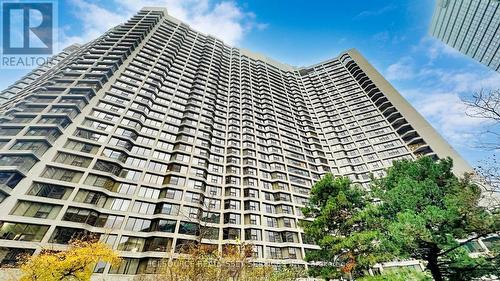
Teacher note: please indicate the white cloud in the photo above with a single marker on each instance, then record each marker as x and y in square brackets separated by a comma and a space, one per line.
[224, 19]
[446, 111]
[223, 22]
[436, 90]
[440, 102]
[460, 81]
[401, 70]
[94, 19]
[433, 48]
[370, 13]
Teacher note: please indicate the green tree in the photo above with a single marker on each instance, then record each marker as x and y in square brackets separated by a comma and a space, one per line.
[425, 209]
[420, 210]
[398, 275]
[346, 248]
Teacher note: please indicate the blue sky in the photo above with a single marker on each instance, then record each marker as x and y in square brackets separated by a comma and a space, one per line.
[391, 34]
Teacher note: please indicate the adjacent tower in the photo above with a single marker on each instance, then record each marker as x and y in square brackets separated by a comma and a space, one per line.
[470, 26]
[155, 135]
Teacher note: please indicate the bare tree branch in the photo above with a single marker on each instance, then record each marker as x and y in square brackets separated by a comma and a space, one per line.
[485, 105]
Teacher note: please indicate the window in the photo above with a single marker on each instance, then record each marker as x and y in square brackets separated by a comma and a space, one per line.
[177, 168]
[143, 208]
[141, 150]
[107, 167]
[169, 209]
[165, 145]
[189, 228]
[251, 193]
[191, 212]
[213, 204]
[117, 204]
[274, 253]
[292, 253]
[49, 190]
[61, 121]
[62, 235]
[252, 206]
[273, 236]
[288, 222]
[145, 141]
[158, 244]
[90, 197]
[10, 179]
[24, 162]
[7, 131]
[232, 205]
[99, 267]
[232, 218]
[22, 231]
[52, 133]
[130, 174]
[137, 224]
[93, 218]
[105, 116]
[38, 147]
[192, 197]
[153, 179]
[81, 133]
[173, 180]
[81, 146]
[11, 256]
[210, 232]
[121, 143]
[157, 167]
[272, 222]
[148, 192]
[101, 181]
[165, 225]
[285, 209]
[210, 217]
[253, 234]
[70, 111]
[132, 244]
[231, 233]
[97, 125]
[35, 210]
[288, 237]
[136, 162]
[171, 194]
[127, 266]
[232, 191]
[62, 174]
[254, 219]
[73, 160]
[180, 158]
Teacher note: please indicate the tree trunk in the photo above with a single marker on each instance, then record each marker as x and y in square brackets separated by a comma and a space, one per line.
[432, 264]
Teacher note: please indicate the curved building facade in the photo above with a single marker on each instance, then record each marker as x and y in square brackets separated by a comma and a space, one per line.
[155, 135]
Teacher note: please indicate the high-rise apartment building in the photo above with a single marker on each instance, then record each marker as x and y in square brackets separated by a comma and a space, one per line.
[155, 131]
[35, 77]
[470, 26]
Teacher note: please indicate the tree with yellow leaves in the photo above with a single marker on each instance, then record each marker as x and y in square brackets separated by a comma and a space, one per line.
[205, 263]
[76, 263]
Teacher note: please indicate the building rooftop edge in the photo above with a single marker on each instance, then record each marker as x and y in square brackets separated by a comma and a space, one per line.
[247, 52]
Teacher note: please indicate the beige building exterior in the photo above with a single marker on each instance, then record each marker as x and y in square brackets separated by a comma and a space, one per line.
[36, 77]
[155, 133]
